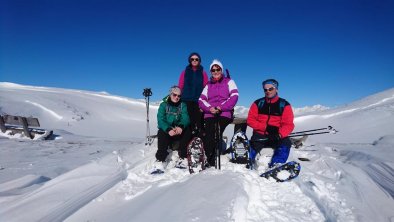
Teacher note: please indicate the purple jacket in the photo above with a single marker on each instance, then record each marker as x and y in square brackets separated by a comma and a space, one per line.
[222, 93]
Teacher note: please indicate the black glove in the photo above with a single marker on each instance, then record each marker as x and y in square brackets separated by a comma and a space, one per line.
[273, 133]
[272, 129]
[274, 137]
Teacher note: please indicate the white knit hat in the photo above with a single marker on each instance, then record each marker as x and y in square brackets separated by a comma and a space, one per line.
[216, 62]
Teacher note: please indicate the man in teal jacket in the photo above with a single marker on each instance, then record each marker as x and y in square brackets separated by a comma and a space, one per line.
[173, 123]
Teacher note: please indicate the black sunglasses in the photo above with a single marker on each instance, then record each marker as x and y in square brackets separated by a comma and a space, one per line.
[176, 95]
[216, 70]
[194, 59]
[269, 89]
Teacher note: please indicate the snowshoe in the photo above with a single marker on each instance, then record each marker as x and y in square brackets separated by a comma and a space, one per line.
[283, 172]
[239, 148]
[158, 167]
[182, 164]
[196, 155]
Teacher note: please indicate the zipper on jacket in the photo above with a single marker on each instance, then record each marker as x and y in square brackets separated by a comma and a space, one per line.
[269, 114]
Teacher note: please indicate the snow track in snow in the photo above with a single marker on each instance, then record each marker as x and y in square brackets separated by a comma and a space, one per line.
[244, 195]
[51, 112]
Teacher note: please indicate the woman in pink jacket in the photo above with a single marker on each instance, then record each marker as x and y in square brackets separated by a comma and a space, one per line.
[217, 100]
[192, 81]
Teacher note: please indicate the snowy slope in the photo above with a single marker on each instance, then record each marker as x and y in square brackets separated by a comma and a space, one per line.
[80, 112]
[96, 171]
[363, 121]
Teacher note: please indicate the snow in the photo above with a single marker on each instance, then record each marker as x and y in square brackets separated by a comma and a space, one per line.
[51, 112]
[97, 167]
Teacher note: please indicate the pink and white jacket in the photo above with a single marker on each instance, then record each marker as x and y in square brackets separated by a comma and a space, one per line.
[222, 93]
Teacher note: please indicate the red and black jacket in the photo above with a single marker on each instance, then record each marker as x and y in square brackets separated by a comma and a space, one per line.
[275, 112]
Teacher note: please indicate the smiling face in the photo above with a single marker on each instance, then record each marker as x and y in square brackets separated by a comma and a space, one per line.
[175, 97]
[194, 60]
[270, 90]
[216, 72]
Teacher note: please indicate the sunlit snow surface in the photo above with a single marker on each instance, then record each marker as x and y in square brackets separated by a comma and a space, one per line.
[96, 167]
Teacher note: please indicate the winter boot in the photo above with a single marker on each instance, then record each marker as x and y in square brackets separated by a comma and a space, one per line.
[158, 167]
[182, 163]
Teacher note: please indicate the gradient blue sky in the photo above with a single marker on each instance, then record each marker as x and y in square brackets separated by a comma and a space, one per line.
[321, 52]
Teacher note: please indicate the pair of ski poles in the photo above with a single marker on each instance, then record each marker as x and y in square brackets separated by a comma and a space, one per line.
[325, 130]
[147, 93]
[328, 129]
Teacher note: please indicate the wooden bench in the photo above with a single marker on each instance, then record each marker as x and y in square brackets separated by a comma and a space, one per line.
[13, 123]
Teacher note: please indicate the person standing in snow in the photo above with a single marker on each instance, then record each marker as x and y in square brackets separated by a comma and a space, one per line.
[173, 123]
[271, 119]
[192, 81]
[217, 100]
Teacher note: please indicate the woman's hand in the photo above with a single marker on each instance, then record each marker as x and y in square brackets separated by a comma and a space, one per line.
[178, 130]
[172, 132]
[215, 110]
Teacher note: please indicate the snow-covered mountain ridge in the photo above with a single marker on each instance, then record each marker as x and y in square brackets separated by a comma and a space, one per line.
[103, 115]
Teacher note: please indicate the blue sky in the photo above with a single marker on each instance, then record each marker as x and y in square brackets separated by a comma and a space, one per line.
[322, 52]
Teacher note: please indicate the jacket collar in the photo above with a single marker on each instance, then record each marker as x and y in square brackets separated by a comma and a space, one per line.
[194, 68]
[273, 99]
[219, 80]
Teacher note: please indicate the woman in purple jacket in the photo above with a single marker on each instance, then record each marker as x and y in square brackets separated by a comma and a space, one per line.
[217, 99]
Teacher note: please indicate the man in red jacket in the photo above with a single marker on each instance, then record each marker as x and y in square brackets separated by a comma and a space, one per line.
[271, 119]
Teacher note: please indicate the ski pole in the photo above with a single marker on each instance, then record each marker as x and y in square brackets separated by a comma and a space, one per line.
[308, 134]
[329, 128]
[218, 141]
[147, 93]
[297, 135]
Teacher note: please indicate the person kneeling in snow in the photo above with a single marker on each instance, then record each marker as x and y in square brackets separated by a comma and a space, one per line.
[173, 123]
[271, 119]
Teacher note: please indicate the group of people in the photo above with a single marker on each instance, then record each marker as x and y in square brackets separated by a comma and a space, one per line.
[198, 103]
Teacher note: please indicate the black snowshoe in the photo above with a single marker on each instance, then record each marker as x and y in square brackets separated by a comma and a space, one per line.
[239, 148]
[291, 170]
[196, 155]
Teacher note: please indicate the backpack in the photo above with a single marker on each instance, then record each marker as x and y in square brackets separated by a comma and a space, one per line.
[232, 111]
[177, 113]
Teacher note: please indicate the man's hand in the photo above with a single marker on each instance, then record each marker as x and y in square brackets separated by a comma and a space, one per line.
[272, 129]
[273, 133]
[274, 137]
